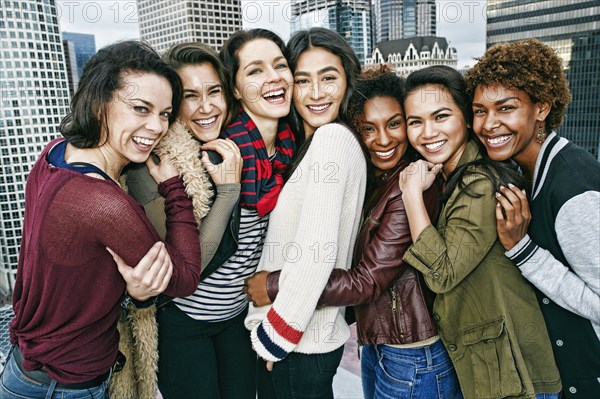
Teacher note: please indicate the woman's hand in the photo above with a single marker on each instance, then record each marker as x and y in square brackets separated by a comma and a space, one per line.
[418, 176]
[228, 171]
[150, 276]
[255, 288]
[414, 180]
[268, 363]
[162, 171]
[512, 215]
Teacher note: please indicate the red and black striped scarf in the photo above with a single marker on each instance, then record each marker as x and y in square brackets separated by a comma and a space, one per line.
[261, 181]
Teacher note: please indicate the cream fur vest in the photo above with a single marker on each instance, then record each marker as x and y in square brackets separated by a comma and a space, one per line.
[139, 332]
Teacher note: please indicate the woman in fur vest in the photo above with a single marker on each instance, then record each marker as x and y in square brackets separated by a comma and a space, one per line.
[187, 354]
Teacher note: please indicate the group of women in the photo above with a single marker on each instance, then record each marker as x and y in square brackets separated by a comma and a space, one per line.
[284, 186]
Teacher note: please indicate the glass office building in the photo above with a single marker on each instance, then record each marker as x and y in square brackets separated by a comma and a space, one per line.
[167, 22]
[35, 97]
[402, 19]
[84, 45]
[572, 28]
[350, 18]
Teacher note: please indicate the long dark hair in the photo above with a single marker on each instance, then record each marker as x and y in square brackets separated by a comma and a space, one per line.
[499, 173]
[102, 77]
[194, 53]
[230, 51]
[332, 42]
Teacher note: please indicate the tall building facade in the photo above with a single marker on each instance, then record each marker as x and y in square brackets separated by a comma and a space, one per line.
[402, 19]
[71, 64]
[35, 97]
[350, 18]
[167, 22]
[409, 55]
[572, 28]
[84, 46]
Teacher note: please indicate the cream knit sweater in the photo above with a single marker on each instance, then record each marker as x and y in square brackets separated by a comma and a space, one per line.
[311, 231]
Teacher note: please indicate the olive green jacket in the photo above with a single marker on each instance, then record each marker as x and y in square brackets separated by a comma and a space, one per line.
[487, 314]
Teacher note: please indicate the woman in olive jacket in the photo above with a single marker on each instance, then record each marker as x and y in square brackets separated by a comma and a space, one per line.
[486, 313]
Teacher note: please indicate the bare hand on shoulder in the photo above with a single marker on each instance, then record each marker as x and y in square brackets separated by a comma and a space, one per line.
[162, 171]
[512, 215]
[418, 176]
[255, 288]
[228, 171]
[150, 276]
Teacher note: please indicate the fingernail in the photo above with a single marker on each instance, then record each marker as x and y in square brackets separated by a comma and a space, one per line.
[511, 185]
[524, 192]
[502, 188]
[499, 195]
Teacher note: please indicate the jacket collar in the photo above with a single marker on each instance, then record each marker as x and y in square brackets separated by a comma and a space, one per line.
[548, 152]
[471, 153]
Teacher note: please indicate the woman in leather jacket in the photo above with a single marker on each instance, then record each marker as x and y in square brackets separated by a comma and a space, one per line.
[402, 355]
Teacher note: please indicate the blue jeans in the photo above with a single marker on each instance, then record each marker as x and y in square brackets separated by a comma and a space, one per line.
[300, 376]
[14, 385]
[546, 395]
[416, 373]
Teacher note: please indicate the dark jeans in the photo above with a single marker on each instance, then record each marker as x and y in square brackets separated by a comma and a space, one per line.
[300, 376]
[205, 360]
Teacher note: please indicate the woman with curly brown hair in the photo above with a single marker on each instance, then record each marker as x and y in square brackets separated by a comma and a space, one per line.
[520, 96]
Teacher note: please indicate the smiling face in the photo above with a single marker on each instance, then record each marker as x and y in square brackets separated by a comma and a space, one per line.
[506, 121]
[264, 83]
[203, 108]
[384, 132]
[320, 85]
[435, 125]
[137, 118]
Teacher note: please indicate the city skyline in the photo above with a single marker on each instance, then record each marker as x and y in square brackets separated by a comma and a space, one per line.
[461, 22]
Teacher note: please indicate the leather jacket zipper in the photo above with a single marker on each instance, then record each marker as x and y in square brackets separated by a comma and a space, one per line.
[357, 334]
[395, 309]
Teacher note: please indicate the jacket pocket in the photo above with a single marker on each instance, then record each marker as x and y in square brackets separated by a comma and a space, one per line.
[492, 360]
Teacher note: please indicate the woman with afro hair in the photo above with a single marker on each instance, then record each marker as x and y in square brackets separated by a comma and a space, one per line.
[552, 231]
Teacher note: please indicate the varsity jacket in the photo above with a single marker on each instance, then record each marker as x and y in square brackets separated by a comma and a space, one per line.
[561, 257]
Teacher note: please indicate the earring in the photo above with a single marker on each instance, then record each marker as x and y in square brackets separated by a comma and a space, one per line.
[541, 135]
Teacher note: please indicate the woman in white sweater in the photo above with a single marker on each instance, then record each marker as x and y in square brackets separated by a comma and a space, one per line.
[313, 227]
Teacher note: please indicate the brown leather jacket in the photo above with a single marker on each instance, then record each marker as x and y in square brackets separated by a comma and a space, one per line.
[393, 304]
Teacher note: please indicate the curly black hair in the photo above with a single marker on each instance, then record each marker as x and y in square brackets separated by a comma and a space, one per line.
[376, 82]
[527, 65]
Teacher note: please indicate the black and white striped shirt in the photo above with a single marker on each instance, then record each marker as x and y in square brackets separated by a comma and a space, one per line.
[219, 297]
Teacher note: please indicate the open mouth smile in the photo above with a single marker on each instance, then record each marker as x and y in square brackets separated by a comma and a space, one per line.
[143, 143]
[385, 154]
[499, 140]
[206, 123]
[275, 96]
[433, 147]
[318, 108]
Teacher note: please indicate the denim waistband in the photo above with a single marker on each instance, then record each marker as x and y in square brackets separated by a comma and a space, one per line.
[425, 356]
[42, 376]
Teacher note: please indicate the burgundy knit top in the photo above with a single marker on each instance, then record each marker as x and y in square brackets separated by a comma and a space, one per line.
[68, 289]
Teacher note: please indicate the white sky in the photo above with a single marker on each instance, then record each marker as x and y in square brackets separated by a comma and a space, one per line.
[461, 22]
